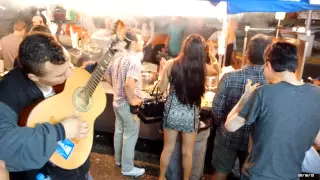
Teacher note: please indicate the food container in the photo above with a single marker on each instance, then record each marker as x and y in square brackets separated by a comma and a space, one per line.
[210, 81]
[148, 79]
[207, 99]
[91, 53]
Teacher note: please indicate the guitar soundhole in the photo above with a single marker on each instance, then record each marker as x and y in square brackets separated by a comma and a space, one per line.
[82, 100]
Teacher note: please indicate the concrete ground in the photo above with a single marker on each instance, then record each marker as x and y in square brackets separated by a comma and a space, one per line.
[147, 156]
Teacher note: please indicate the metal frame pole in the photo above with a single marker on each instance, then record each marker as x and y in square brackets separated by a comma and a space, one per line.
[247, 28]
[303, 59]
[308, 24]
[308, 21]
[226, 42]
[278, 28]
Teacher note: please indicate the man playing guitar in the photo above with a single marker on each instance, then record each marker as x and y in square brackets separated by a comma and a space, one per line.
[26, 151]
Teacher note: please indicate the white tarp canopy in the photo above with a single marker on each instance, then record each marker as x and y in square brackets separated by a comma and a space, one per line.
[187, 8]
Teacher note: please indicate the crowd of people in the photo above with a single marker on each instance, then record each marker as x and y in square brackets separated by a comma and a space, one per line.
[265, 116]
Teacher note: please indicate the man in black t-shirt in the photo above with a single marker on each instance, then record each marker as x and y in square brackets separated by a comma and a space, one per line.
[283, 116]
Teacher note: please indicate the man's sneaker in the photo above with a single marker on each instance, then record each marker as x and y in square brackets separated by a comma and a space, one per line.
[135, 172]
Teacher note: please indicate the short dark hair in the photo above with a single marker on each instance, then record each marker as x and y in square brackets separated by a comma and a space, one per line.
[131, 35]
[256, 48]
[38, 48]
[40, 28]
[283, 56]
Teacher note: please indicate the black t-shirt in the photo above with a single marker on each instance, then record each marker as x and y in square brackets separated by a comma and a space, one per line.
[285, 120]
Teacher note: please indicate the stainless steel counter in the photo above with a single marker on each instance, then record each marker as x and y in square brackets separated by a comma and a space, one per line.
[106, 121]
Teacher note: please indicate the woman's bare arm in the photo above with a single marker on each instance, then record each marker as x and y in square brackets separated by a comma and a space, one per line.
[214, 68]
[164, 80]
[211, 71]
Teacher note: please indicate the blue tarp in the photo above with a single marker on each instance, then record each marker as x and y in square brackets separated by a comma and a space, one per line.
[240, 6]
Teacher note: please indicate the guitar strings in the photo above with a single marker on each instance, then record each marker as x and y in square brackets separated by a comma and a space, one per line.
[98, 73]
[94, 80]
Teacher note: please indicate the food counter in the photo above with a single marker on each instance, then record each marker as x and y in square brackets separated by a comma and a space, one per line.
[106, 121]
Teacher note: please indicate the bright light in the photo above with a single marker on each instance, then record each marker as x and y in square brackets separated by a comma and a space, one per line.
[221, 10]
[280, 15]
[294, 29]
[191, 8]
[301, 29]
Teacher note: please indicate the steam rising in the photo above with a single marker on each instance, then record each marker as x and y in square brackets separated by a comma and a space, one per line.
[189, 8]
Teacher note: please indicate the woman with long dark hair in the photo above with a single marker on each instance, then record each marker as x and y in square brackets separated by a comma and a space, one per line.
[186, 75]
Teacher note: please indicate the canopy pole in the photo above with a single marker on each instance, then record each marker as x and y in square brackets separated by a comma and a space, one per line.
[308, 21]
[304, 57]
[226, 27]
[278, 28]
[245, 45]
[308, 24]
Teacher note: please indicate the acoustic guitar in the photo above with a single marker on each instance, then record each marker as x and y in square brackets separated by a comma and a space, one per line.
[80, 95]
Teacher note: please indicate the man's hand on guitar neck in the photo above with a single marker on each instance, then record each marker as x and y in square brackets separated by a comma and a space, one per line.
[75, 128]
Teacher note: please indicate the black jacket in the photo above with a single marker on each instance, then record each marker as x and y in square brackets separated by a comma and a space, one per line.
[25, 150]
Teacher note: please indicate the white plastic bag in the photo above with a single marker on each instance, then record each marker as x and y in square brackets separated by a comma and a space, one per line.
[311, 162]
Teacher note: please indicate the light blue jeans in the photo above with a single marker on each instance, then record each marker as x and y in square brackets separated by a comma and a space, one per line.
[89, 177]
[126, 134]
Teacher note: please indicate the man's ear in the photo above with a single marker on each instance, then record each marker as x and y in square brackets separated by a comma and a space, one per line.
[269, 66]
[33, 77]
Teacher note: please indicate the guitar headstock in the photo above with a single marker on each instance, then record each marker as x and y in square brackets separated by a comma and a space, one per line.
[117, 43]
[119, 32]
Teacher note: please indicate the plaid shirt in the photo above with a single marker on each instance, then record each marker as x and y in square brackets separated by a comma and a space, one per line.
[229, 92]
[122, 67]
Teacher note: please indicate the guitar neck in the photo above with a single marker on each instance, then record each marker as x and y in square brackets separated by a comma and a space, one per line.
[119, 31]
[98, 72]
